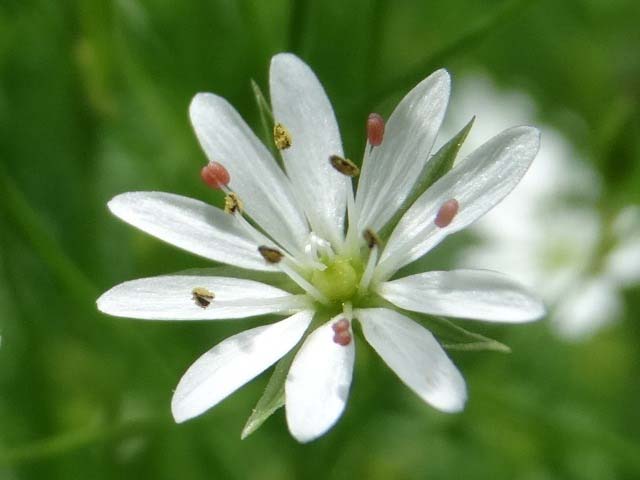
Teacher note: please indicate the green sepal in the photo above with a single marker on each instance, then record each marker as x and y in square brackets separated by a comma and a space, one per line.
[441, 162]
[266, 116]
[454, 337]
[450, 335]
[272, 398]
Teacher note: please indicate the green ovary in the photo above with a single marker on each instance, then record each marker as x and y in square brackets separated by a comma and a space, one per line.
[338, 282]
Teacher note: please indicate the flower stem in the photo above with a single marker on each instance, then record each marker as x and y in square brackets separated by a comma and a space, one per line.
[63, 443]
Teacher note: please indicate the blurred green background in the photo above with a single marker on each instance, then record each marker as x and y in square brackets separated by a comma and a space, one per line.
[93, 102]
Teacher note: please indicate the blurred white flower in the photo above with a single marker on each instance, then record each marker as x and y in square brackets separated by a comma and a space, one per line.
[301, 218]
[548, 233]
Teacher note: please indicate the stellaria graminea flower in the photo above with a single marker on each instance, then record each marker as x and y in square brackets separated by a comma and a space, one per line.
[308, 226]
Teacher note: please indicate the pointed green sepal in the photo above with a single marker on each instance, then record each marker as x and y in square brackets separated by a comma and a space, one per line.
[272, 398]
[266, 115]
[454, 337]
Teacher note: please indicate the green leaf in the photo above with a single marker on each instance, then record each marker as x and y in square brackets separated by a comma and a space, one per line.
[266, 116]
[441, 162]
[272, 398]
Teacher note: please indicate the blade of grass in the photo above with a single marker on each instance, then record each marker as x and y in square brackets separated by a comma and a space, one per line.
[471, 37]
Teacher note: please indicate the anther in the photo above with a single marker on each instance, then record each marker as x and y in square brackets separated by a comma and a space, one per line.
[202, 297]
[375, 129]
[215, 175]
[270, 254]
[447, 211]
[342, 338]
[341, 325]
[281, 137]
[342, 334]
[232, 203]
[344, 166]
[371, 238]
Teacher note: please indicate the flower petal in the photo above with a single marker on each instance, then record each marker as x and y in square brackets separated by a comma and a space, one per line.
[478, 183]
[413, 353]
[301, 105]
[318, 384]
[261, 185]
[473, 294]
[392, 168]
[169, 297]
[232, 363]
[191, 225]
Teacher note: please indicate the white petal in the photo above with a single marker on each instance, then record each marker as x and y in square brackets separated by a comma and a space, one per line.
[255, 176]
[169, 297]
[232, 363]
[478, 183]
[191, 225]
[413, 353]
[301, 105]
[389, 173]
[473, 294]
[317, 385]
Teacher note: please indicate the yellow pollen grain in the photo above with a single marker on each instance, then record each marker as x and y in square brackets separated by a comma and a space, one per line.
[281, 137]
[344, 166]
[233, 204]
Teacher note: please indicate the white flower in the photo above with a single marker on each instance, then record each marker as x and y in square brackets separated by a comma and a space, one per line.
[548, 234]
[301, 217]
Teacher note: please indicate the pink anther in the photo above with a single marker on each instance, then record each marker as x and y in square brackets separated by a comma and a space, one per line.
[342, 338]
[447, 211]
[215, 175]
[375, 129]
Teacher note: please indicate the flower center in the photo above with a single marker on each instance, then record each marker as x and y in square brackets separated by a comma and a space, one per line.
[338, 282]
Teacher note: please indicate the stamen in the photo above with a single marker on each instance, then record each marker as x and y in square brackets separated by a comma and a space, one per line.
[202, 297]
[375, 129]
[271, 255]
[371, 238]
[447, 211]
[232, 203]
[302, 283]
[215, 175]
[344, 166]
[341, 325]
[281, 137]
[365, 280]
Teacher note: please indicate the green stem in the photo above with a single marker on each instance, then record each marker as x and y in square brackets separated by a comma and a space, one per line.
[71, 441]
[297, 19]
[27, 221]
[77, 285]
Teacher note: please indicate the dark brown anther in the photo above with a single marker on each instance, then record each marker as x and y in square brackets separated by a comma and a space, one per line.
[202, 297]
[271, 255]
[344, 166]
